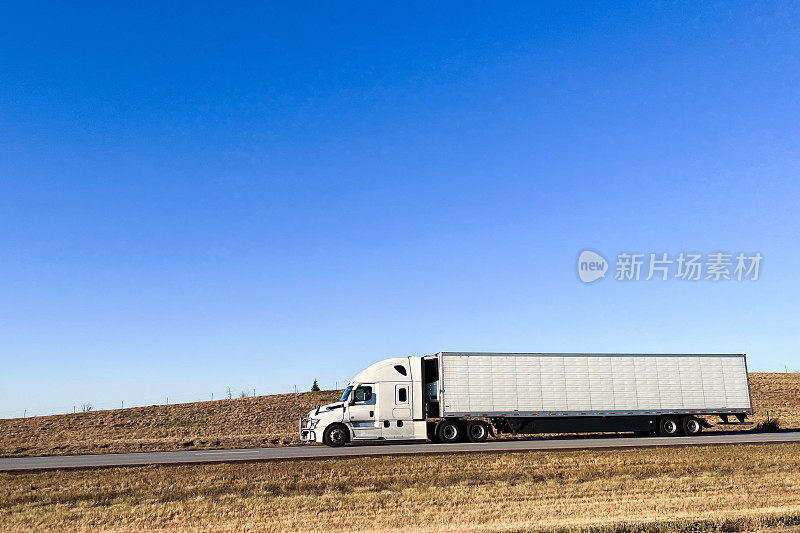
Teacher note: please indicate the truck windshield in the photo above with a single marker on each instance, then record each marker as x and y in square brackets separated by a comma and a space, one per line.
[346, 393]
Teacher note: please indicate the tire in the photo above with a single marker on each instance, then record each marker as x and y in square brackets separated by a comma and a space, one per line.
[448, 432]
[668, 426]
[692, 426]
[336, 435]
[432, 433]
[477, 431]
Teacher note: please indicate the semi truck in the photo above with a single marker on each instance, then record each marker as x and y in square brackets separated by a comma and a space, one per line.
[467, 396]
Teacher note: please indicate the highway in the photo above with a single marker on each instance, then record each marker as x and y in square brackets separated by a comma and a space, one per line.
[290, 453]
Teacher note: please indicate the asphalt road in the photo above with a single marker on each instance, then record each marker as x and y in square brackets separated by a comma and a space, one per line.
[324, 452]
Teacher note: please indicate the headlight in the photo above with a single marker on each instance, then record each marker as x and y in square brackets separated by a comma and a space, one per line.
[312, 423]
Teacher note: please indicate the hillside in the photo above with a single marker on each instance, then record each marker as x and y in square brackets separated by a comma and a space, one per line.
[262, 421]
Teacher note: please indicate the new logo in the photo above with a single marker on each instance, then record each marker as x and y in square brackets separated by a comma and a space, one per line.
[591, 266]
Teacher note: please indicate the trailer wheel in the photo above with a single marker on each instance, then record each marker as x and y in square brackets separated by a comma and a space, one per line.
[668, 426]
[477, 431]
[692, 426]
[335, 435]
[448, 432]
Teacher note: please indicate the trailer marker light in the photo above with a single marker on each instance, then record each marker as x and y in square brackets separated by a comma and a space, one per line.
[583, 413]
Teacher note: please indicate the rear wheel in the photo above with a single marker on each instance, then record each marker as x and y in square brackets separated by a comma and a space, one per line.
[668, 426]
[432, 432]
[335, 435]
[692, 426]
[477, 431]
[448, 432]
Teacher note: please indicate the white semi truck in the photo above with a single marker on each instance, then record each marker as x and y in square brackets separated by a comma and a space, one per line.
[454, 396]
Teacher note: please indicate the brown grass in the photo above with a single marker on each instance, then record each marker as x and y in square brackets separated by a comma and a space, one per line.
[254, 422]
[261, 421]
[679, 489]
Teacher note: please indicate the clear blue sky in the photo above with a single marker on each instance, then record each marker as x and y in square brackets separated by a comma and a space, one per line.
[195, 197]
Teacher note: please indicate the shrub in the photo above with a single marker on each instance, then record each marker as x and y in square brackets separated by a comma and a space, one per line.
[768, 426]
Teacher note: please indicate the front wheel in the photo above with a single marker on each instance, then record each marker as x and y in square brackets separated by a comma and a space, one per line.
[335, 435]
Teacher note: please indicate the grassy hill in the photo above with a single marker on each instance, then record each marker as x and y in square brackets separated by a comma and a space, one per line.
[260, 421]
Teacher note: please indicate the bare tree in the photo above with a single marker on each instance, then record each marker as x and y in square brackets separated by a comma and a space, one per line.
[244, 394]
[86, 407]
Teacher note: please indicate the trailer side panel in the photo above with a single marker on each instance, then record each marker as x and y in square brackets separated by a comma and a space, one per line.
[476, 384]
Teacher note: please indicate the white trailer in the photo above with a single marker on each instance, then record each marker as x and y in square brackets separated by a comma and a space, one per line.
[452, 396]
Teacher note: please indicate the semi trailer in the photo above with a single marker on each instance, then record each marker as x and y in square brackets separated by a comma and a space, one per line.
[453, 396]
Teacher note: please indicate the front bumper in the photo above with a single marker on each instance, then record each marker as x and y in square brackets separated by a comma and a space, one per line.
[307, 432]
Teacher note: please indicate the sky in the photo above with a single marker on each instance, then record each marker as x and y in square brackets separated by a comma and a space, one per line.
[195, 197]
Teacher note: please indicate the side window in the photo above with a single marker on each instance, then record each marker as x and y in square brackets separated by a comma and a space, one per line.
[402, 394]
[363, 394]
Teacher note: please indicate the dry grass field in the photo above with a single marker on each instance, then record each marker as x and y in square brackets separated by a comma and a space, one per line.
[729, 488]
[261, 421]
[252, 422]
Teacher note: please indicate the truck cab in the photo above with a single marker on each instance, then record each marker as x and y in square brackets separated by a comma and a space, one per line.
[382, 402]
